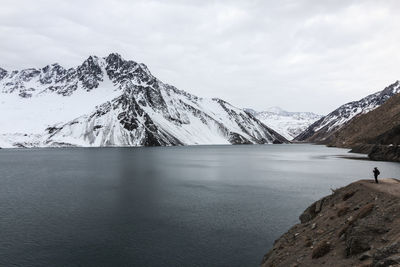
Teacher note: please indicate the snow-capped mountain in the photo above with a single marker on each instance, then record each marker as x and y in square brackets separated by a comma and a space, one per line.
[322, 130]
[288, 124]
[115, 102]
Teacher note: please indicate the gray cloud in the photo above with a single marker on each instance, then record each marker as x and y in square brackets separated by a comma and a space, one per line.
[301, 55]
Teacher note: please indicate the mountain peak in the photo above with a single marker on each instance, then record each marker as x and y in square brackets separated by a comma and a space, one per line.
[124, 105]
[288, 124]
[276, 110]
[90, 73]
[91, 61]
[114, 57]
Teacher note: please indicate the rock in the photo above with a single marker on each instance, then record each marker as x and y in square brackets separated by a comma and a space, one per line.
[390, 261]
[308, 243]
[360, 236]
[313, 226]
[365, 210]
[362, 213]
[318, 205]
[386, 252]
[343, 211]
[348, 195]
[356, 245]
[342, 237]
[388, 218]
[321, 249]
[308, 214]
[312, 211]
[365, 256]
[343, 230]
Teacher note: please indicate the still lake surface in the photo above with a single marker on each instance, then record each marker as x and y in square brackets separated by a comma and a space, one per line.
[164, 206]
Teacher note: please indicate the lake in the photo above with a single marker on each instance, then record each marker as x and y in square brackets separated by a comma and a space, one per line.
[163, 206]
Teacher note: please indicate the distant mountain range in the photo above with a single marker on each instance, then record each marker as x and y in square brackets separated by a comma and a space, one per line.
[111, 101]
[288, 124]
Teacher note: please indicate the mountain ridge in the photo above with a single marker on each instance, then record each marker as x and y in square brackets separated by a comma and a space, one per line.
[322, 130]
[111, 101]
[376, 133]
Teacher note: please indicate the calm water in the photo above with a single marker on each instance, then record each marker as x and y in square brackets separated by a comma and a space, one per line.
[175, 206]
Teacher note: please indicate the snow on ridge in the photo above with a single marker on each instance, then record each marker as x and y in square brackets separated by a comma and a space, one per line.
[115, 102]
[288, 124]
[349, 110]
[340, 116]
[34, 114]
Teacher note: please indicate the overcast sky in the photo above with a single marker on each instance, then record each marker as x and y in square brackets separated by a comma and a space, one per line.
[309, 55]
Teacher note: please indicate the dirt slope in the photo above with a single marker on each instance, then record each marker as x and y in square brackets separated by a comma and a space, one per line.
[358, 225]
[380, 126]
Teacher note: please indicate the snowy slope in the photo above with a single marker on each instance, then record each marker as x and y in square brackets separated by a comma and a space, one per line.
[34, 99]
[321, 130]
[288, 124]
[114, 102]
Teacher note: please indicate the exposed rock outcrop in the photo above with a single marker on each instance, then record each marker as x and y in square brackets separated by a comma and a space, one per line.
[357, 225]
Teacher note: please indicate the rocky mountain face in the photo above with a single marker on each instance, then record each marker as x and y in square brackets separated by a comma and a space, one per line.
[322, 131]
[376, 133]
[358, 225]
[115, 102]
[380, 126]
[288, 124]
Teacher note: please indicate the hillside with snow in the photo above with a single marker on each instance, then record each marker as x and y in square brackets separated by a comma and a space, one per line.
[111, 101]
[322, 130]
[288, 124]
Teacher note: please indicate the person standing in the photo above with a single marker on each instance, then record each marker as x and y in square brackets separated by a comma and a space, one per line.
[376, 173]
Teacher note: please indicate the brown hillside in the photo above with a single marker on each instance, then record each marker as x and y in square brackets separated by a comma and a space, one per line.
[380, 126]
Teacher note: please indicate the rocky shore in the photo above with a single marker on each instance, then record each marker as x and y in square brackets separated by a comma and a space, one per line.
[379, 152]
[357, 225]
